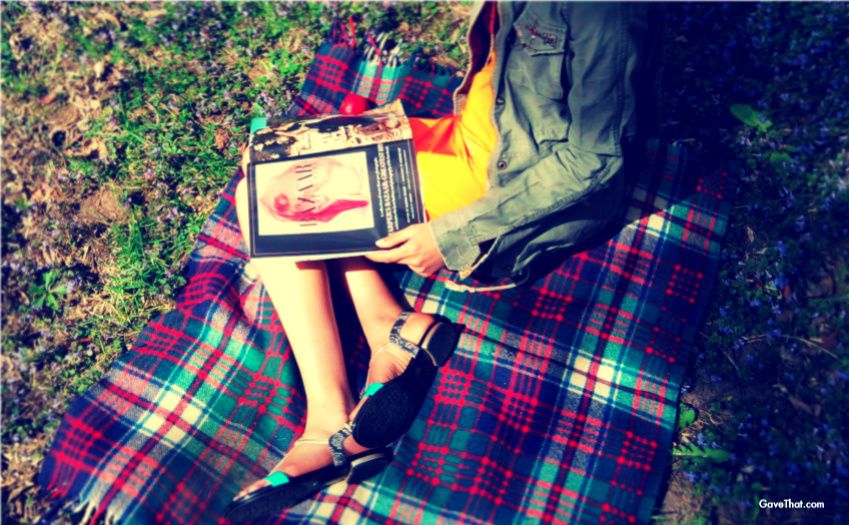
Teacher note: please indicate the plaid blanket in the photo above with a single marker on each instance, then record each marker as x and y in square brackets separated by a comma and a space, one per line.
[558, 406]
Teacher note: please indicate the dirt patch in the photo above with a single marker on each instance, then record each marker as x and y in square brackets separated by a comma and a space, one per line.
[102, 207]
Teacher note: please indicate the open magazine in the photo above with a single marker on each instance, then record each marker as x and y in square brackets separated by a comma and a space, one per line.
[330, 187]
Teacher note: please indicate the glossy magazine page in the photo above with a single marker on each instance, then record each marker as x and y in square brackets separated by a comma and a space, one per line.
[330, 187]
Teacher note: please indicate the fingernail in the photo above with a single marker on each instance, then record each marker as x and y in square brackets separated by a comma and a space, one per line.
[381, 242]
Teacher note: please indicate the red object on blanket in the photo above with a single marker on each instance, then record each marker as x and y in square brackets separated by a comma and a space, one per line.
[354, 104]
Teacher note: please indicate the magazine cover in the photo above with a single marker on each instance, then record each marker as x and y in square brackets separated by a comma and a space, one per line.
[330, 187]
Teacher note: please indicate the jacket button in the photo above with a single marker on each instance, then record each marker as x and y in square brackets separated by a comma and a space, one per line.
[499, 101]
[501, 164]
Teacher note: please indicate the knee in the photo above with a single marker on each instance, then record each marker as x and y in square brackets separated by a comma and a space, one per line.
[242, 194]
[241, 201]
[246, 157]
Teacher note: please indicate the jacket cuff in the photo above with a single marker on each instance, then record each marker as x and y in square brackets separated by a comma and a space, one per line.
[454, 242]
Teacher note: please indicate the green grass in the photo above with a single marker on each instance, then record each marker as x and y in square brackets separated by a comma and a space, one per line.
[121, 125]
[762, 83]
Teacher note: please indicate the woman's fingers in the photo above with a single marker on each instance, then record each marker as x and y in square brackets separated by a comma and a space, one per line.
[396, 238]
[414, 246]
[395, 255]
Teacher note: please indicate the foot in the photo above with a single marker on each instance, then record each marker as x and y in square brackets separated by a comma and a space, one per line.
[391, 361]
[305, 457]
[301, 458]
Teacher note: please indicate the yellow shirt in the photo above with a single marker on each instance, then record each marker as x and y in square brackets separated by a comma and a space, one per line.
[453, 152]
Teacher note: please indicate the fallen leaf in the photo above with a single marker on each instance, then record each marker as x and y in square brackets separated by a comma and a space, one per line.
[801, 406]
[153, 13]
[259, 70]
[827, 340]
[99, 68]
[65, 118]
[48, 98]
[43, 194]
[750, 234]
[105, 16]
[19, 45]
[221, 138]
[94, 148]
[30, 228]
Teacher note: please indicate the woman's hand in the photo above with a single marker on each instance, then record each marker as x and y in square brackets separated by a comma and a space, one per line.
[414, 246]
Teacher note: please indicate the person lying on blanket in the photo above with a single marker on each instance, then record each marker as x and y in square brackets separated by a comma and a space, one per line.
[532, 163]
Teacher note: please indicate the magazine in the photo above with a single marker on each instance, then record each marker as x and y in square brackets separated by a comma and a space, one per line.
[330, 187]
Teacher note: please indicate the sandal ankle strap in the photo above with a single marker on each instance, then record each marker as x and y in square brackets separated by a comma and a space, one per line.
[405, 344]
[308, 441]
[334, 443]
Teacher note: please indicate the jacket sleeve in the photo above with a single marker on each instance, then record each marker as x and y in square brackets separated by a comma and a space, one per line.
[599, 63]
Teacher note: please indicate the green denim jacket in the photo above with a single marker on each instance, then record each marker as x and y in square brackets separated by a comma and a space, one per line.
[565, 81]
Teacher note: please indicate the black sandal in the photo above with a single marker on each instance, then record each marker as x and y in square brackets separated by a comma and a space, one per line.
[285, 492]
[391, 408]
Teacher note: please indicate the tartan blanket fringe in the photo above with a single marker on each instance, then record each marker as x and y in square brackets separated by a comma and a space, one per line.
[81, 509]
[377, 48]
[559, 405]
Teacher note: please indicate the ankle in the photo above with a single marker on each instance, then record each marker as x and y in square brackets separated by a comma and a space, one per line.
[328, 398]
[325, 422]
[322, 429]
[376, 328]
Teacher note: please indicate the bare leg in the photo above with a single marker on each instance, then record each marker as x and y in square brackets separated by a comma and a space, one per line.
[301, 296]
[300, 293]
[377, 310]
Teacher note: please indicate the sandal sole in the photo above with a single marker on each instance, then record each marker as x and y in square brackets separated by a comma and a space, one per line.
[403, 396]
[441, 341]
[273, 500]
[269, 501]
[368, 466]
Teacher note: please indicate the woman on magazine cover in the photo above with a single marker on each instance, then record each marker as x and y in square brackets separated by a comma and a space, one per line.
[309, 191]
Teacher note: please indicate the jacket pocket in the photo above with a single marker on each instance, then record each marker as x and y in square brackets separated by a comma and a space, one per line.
[536, 57]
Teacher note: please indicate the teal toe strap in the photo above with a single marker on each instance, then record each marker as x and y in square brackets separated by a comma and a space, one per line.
[373, 388]
[277, 478]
